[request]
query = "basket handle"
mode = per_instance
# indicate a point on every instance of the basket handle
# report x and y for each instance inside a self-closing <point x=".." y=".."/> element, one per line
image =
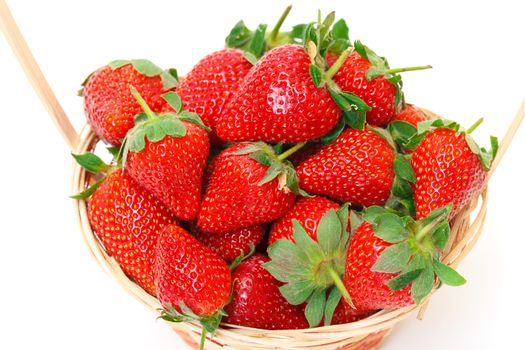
<point x="34" y="74"/>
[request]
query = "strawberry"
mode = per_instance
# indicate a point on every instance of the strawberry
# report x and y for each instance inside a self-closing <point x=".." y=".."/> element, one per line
<point x="411" y="114"/>
<point x="166" y="154"/>
<point x="308" y="212"/>
<point x="305" y="153"/>
<point x="393" y="261"/>
<point x="257" y="302"/>
<point x="249" y="186"/>
<point x="449" y="167"/>
<point x="126" y="219"/>
<point x="209" y="85"/>
<point x="311" y="266"/>
<point x="230" y="245"/>
<point x="344" y="313"/>
<point x="369" y="76"/>
<point x="193" y="283"/>
<point x="279" y="102"/>
<point x="356" y="167"/>
<point x="108" y="103"/>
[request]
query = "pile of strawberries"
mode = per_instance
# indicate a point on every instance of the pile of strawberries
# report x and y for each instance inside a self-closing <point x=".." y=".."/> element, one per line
<point x="283" y="183"/>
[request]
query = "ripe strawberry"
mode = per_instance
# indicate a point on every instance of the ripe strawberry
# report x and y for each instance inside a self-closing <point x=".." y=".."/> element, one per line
<point x="305" y="153"/>
<point x="108" y="103"/>
<point x="166" y="154"/>
<point x="392" y="261"/>
<point x="344" y="313"/>
<point x="209" y="85"/>
<point x="193" y="283"/>
<point x="308" y="212"/>
<point x="240" y="194"/>
<point x="368" y="76"/>
<point x="278" y="102"/>
<point x="257" y="302"/>
<point x="230" y="245"/>
<point x="187" y="271"/>
<point x="449" y="169"/>
<point x="411" y="114"/>
<point x="357" y="167"/>
<point x="126" y="219"/>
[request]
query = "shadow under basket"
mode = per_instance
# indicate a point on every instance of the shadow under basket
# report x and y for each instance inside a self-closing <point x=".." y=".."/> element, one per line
<point x="365" y="334"/>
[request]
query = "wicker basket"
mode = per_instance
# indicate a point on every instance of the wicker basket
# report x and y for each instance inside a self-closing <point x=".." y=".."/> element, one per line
<point x="364" y="334"/>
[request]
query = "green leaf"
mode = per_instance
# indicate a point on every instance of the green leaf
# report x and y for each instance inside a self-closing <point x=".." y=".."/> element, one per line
<point x="331" y="303"/>
<point x="239" y="36"/>
<point x="393" y="259"/>
<point x="329" y="232"/>
<point x="243" y="256"/>
<point x="404" y="279"/>
<point x="316" y="75"/>
<point x="384" y="134"/>
<point x="140" y="117"/>
<point x="494" y="145"/>
<point x="297" y="293"/>
<point x="168" y="80"/>
<point x="114" y="151"/>
<point x="423" y="284"/>
<point x="372" y="214"/>
<point x="340" y="30"/>
<point x="335" y="132"/>
<point x="401" y="131"/>
<point x="440" y="235"/>
<point x="315" y="308"/>
<point x="305" y="243"/>
<point x="416" y="263"/>
<point x="447" y="274"/>
<point x="287" y="260"/>
<point x="274" y="170"/>
<point x="89" y="191"/>
<point x="146" y="67"/>
<point x="390" y="228"/>
<point x="338" y="46"/>
<point x="192" y="118"/>
<point x="401" y="188"/>
<point x="258" y="42"/>
<point x="171" y="125"/>
<point x="173" y="100"/>
<point x="403" y="169"/>
<point x="354" y="119"/>
<point x="91" y="162"/>
<point x="173" y="72"/>
<point x="355" y="221"/>
<point x="250" y="57"/>
<point x="298" y="32"/>
<point x="292" y="181"/>
<point x="118" y="63"/>
<point x="261" y="157"/>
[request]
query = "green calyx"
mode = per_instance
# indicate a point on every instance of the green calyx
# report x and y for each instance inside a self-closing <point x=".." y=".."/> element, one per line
<point x="209" y="323"/>
<point x="278" y="167"/>
<point x="95" y="165"/>
<point x="155" y="127"/>
<point x="415" y="251"/>
<point x="312" y="270"/>
<point x="381" y="68"/>
<point x="145" y="67"/>
<point x="255" y="43"/>
<point x="408" y="136"/>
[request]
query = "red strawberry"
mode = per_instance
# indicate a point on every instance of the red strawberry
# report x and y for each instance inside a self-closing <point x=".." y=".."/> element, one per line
<point x="308" y="212"/>
<point x="357" y="167"/>
<point x="278" y="102"/>
<point x="393" y="261"/>
<point x="447" y="171"/>
<point x="369" y="77"/>
<point x="108" y="103"/>
<point x="127" y="220"/>
<point x="188" y="272"/>
<point x="232" y="244"/>
<point x="209" y="85"/>
<point x="305" y="153"/>
<point x="237" y="196"/>
<point x="412" y="115"/>
<point x="166" y="154"/>
<point x="344" y="313"/>
<point x="257" y="301"/>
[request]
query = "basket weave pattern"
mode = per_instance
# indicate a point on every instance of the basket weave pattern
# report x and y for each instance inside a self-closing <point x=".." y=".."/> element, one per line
<point x="364" y="334"/>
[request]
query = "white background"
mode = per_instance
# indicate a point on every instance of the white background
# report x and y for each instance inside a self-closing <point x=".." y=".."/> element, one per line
<point x="52" y="293"/>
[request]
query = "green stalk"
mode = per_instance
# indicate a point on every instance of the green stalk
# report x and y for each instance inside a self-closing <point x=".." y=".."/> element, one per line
<point x="341" y="286"/>
<point x="203" y="339"/>
<point x="337" y="65"/>
<point x="290" y="151"/>
<point x="142" y="103"/>
<point x="474" y="126"/>
<point x="407" y="69"/>
<point x="428" y="228"/>
<point x="275" y="31"/>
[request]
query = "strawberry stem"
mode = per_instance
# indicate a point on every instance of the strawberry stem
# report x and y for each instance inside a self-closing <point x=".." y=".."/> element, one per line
<point x="290" y="151"/>
<point x="341" y="286"/>
<point x="430" y="227"/>
<point x="474" y="126"/>
<point x="142" y="103"/>
<point x="407" y="69"/>
<point x="203" y="339"/>
<point x="275" y="31"/>
<point x="337" y="65"/>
